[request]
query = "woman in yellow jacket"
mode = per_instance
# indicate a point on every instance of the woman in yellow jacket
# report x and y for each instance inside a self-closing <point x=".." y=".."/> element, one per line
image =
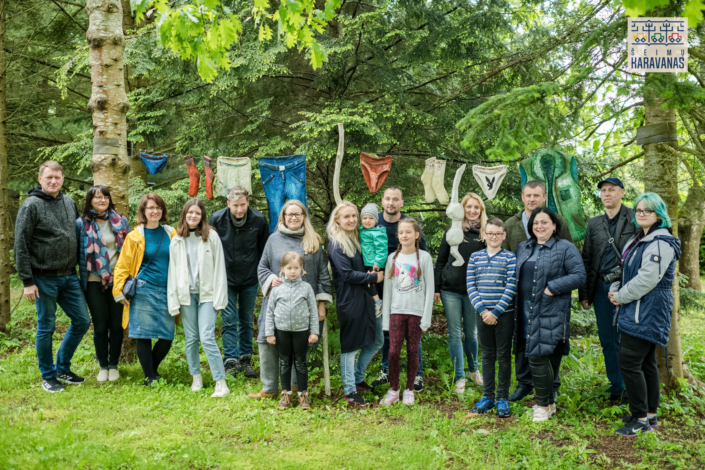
<point x="145" y="256"/>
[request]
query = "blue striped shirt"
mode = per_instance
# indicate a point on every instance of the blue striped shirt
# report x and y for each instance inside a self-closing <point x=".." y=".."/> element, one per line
<point x="492" y="281"/>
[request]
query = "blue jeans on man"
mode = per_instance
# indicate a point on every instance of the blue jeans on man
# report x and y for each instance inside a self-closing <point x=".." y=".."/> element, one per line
<point x="608" y="333"/>
<point x="237" y="322"/>
<point x="67" y="292"/>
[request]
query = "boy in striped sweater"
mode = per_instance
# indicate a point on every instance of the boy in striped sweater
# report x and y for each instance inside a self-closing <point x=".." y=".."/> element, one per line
<point x="492" y="284"/>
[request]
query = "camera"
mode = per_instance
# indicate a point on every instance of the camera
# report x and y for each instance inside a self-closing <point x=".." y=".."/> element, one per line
<point x="614" y="275"/>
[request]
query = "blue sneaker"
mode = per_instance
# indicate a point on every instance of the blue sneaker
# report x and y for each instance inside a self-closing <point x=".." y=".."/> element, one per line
<point x="483" y="406"/>
<point x="503" y="410"/>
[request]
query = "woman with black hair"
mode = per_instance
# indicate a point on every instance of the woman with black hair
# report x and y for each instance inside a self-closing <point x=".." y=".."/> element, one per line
<point x="101" y="232"/>
<point x="549" y="269"/>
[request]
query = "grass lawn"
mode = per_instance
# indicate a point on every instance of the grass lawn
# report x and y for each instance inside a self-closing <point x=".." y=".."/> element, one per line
<point x="125" y="425"/>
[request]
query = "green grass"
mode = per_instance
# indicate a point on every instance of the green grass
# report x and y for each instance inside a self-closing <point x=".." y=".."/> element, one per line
<point x="128" y="426"/>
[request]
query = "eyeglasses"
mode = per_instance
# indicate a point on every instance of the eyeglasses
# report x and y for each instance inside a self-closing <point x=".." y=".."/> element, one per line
<point x="494" y="235"/>
<point x="294" y="215"/>
<point x="645" y="212"/>
<point x="153" y="209"/>
<point x="101" y="198"/>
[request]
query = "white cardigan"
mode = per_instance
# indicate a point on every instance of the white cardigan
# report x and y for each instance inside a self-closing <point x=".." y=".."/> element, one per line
<point x="213" y="280"/>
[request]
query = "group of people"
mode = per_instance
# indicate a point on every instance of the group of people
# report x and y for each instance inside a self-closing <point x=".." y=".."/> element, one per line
<point x="512" y="291"/>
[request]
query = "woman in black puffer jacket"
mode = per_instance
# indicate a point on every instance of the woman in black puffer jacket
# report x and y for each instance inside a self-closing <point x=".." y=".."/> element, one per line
<point x="548" y="269"/>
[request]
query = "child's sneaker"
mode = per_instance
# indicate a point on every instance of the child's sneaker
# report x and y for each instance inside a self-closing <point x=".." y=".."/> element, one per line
<point x="477" y="377"/>
<point x="460" y="386"/>
<point x="304" y="400"/>
<point x="285" y="402"/>
<point x="418" y="384"/>
<point x="408" y="397"/>
<point x="633" y="428"/>
<point x="363" y="387"/>
<point x="391" y="398"/>
<point x="551" y="409"/>
<point x="483" y="406"/>
<point x="541" y="415"/>
<point x="354" y="398"/>
<point x="378" y="308"/>
<point x="503" y="410"/>
<point x="383" y="379"/>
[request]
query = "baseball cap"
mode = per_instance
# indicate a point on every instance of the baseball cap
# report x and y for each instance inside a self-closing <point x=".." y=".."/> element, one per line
<point x="612" y="180"/>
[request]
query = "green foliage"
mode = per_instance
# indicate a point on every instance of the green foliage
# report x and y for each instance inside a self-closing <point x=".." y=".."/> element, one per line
<point x="691" y="10"/>
<point x="205" y="30"/>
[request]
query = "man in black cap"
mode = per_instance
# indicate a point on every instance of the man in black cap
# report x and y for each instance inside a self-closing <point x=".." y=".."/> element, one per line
<point x="605" y="238"/>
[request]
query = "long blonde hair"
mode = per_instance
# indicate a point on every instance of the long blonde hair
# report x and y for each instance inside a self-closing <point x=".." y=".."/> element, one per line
<point x="417" y="228"/>
<point x="349" y="243"/>
<point x="483" y="214"/>
<point x="311" y="241"/>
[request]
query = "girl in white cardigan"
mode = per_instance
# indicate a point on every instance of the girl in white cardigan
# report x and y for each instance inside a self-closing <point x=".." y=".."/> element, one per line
<point x="197" y="288"/>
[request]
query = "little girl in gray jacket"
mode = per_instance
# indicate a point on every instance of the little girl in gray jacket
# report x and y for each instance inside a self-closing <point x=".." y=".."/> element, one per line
<point x="291" y="323"/>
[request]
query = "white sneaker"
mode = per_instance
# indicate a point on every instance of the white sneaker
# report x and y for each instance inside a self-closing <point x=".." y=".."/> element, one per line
<point x="113" y="375"/>
<point x="477" y="377"/>
<point x="460" y="386"/>
<point x="197" y="384"/>
<point x="541" y="415"/>
<point x="551" y="409"/>
<point x="102" y="375"/>
<point x="221" y="389"/>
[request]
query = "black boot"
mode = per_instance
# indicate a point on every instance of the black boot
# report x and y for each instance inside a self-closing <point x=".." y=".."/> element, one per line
<point x="520" y="393"/>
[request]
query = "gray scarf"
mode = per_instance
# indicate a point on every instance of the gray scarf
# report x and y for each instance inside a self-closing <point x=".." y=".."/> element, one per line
<point x="292" y="233"/>
<point x="238" y="222"/>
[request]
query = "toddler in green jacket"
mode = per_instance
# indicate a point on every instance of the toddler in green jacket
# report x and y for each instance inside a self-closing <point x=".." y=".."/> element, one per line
<point x="373" y="241"/>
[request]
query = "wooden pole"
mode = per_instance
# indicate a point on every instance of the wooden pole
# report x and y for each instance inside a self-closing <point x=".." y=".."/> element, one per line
<point x="326" y="365"/>
<point x="339" y="163"/>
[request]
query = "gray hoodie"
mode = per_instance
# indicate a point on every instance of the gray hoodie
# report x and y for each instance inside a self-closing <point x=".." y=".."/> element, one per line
<point x="292" y="307"/>
<point x="45" y="236"/>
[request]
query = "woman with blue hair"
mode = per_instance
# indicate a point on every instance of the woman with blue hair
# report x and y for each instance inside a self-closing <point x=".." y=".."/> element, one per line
<point x="645" y="303"/>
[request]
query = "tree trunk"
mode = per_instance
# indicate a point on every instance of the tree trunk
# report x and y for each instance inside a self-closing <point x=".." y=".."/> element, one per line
<point x="691" y="222"/>
<point x="661" y="177"/>
<point x="4" y="194"/>
<point x="108" y="103"/>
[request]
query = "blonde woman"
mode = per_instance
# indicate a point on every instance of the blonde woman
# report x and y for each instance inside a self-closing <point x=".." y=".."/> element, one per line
<point x="451" y="289"/>
<point x="360" y="330"/>
<point x="294" y="233"/>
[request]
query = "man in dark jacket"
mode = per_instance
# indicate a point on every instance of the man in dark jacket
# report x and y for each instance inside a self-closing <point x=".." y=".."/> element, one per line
<point x="46" y="253"/>
<point x="604" y="240"/>
<point x="534" y="196"/>
<point x="243" y="232"/>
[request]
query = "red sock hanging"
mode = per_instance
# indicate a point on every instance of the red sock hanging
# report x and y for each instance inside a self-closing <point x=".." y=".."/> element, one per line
<point x="194" y="177"/>
<point x="209" y="176"/>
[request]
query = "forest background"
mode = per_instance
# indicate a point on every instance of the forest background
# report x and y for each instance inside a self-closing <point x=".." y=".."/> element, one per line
<point x="484" y="82"/>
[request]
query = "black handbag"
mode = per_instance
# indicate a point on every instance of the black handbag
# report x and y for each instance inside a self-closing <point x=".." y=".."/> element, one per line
<point x="129" y="289"/>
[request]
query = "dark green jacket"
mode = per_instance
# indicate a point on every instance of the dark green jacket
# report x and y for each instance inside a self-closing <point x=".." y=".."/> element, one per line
<point x="516" y="233"/>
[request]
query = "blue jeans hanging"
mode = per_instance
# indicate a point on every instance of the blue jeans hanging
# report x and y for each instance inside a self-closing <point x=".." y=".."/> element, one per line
<point x="154" y="163"/>
<point x="282" y="178"/>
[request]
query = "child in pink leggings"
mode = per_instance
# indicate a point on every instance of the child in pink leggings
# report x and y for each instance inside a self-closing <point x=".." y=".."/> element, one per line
<point x="407" y="307"/>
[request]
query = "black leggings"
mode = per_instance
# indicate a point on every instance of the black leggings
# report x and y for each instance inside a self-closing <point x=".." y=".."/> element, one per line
<point x="544" y="369"/>
<point x="107" y="324"/>
<point x="637" y="361"/>
<point x="293" y="343"/>
<point x="151" y="358"/>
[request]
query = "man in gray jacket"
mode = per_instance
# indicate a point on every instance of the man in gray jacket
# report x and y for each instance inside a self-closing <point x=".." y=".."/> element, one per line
<point x="604" y="240"/>
<point x="46" y="251"/>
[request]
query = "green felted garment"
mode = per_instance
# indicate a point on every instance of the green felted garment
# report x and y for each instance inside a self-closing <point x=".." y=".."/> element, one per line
<point x="559" y="172"/>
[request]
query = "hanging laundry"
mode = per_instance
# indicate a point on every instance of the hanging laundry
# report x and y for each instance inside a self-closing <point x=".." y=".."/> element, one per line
<point x="439" y="174"/>
<point x="427" y="180"/>
<point x="375" y="170"/>
<point x="559" y="172"/>
<point x="489" y="178"/>
<point x="194" y="177"/>
<point x="283" y="178"/>
<point x="233" y="171"/>
<point x="209" y="176"/>
<point x="154" y="163"/>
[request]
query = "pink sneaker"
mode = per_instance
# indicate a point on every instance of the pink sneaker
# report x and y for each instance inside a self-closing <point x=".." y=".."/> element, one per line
<point x="408" y="397"/>
<point x="477" y="377"/>
<point x="391" y="398"/>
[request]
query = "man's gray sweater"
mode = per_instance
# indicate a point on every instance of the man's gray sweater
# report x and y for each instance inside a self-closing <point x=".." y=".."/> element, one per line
<point x="45" y="236"/>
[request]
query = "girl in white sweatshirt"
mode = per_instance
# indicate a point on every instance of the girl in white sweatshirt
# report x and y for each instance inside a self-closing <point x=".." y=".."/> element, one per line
<point x="197" y="287"/>
<point x="407" y="306"/>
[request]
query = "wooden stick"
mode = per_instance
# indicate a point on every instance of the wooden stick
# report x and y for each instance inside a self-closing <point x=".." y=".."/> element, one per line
<point x="339" y="163"/>
<point x="326" y="365"/>
<point x="628" y="160"/>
